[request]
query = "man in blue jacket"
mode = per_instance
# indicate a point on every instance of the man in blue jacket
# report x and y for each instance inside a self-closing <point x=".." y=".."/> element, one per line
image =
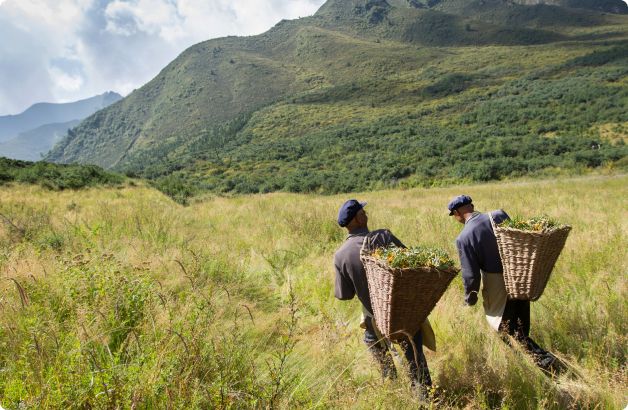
<point x="481" y="263"/>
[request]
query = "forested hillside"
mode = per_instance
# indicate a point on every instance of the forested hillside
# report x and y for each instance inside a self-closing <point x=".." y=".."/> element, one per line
<point x="374" y="93"/>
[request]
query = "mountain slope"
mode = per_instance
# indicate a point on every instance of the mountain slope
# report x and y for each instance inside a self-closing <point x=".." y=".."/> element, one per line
<point x="372" y="92"/>
<point x="607" y="6"/>
<point x="209" y="83"/>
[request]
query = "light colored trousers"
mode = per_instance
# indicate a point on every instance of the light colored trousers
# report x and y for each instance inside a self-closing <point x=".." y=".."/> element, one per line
<point x="494" y="298"/>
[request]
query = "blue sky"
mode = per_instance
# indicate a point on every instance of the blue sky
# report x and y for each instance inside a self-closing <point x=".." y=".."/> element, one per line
<point x="65" y="50"/>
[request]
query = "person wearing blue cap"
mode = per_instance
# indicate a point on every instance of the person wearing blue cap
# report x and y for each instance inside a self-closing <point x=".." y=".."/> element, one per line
<point x="351" y="281"/>
<point x="481" y="263"/>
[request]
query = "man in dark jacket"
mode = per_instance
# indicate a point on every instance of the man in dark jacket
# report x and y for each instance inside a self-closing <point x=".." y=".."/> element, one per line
<point x="351" y="280"/>
<point x="480" y="261"/>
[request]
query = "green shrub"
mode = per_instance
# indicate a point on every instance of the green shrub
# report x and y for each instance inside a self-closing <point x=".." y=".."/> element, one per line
<point x="56" y="176"/>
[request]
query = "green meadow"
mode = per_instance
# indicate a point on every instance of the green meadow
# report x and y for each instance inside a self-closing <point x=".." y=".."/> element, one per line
<point x="120" y="298"/>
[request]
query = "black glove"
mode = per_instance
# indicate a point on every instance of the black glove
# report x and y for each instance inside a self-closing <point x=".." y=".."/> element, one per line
<point x="471" y="298"/>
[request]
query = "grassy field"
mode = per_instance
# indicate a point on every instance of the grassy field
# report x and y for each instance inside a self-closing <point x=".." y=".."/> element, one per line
<point x="120" y="298"/>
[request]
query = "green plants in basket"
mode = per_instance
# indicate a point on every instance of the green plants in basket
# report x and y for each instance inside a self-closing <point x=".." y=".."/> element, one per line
<point x="536" y="223"/>
<point x="414" y="257"/>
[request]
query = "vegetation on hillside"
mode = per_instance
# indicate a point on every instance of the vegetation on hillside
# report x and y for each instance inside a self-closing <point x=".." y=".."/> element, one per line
<point x="370" y="94"/>
<point x="120" y="298"/>
<point x="465" y="128"/>
<point x="55" y="176"/>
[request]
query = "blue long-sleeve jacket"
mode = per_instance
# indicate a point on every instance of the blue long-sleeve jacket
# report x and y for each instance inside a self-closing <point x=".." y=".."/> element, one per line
<point x="477" y="249"/>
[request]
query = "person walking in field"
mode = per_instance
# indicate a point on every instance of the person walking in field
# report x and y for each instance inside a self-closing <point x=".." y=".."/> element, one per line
<point x="351" y="281"/>
<point x="480" y="262"/>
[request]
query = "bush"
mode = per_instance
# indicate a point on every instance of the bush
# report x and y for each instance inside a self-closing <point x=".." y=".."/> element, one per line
<point x="177" y="187"/>
<point x="56" y="176"/>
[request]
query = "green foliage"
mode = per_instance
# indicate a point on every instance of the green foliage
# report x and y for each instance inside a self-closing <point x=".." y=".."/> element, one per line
<point x="449" y="84"/>
<point x="176" y="187"/>
<point x="55" y="176"/>
<point x="536" y="223"/>
<point x="601" y="57"/>
<point x="415" y="257"/>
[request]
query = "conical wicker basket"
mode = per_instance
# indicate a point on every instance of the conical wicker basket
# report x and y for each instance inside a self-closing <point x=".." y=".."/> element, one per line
<point x="403" y="298"/>
<point x="528" y="258"/>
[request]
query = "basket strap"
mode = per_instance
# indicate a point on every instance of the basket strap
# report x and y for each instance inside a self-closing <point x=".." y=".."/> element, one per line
<point x="490" y="216"/>
<point x="367" y="244"/>
<point x="363" y="249"/>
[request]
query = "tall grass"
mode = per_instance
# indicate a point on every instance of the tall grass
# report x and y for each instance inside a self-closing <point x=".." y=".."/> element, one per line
<point x="120" y="298"/>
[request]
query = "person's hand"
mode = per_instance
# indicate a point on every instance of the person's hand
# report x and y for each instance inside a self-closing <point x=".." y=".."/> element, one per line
<point x="471" y="298"/>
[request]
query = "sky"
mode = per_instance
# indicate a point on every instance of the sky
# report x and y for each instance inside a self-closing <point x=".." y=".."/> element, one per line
<point x="67" y="50"/>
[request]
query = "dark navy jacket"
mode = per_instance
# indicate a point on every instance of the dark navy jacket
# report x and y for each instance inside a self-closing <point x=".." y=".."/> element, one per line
<point x="477" y="248"/>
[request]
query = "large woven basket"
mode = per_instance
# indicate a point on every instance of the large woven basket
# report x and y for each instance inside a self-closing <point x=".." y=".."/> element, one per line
<point x="528" y="258"/>
<point x="403" y="298"/>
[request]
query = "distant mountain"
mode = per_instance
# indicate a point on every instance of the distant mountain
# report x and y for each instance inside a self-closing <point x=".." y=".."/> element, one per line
<point x="33" y="144"/>
<point x="366" y="93"/>
<point x="50" y="113"/>
<point x="29" y="135"/>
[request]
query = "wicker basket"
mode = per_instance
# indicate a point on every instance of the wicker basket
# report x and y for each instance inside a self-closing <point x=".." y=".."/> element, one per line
<point x="403" y="298"/>
<point x="528" y="258"/>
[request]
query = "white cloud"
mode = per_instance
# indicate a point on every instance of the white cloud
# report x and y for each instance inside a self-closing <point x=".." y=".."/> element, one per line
<point x="65" y="50"/>
<point x="197" y="20"/>
<point x="153" y="17"/>
<point x="65" y="82"/>
<point x="46" y="14"/>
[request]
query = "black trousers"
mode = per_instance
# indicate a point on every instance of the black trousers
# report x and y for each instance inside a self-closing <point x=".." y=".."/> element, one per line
<point x="417" y="366"/>
<point x="516" y="323"/>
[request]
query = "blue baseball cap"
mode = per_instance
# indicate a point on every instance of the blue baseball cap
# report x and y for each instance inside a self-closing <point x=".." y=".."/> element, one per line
<point x="348" y="210"/>
<point x="457" y="202"/>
